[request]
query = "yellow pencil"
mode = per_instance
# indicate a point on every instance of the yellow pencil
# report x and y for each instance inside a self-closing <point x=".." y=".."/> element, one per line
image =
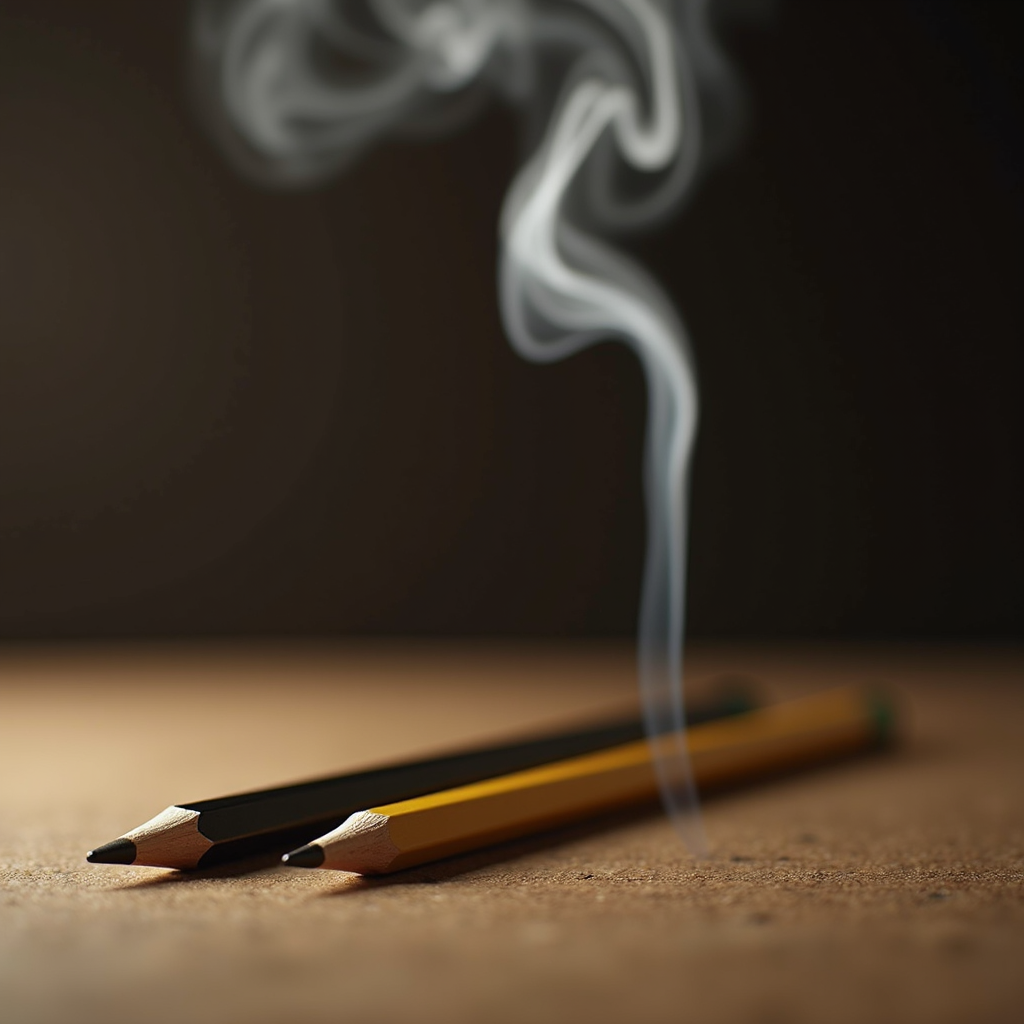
<point x="400" y="835"/>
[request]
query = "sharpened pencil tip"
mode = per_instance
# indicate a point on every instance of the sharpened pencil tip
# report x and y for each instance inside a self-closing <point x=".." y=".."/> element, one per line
<point x="120" y="851"/>
<point x="311" y="856"/>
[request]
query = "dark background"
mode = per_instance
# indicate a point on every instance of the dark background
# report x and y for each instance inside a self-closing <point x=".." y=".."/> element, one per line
<point x="228" y="411"/>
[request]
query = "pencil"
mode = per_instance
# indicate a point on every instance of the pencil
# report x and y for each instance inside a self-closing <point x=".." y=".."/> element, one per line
<point x="207" y="832"/>
<point x="410" y="832"/>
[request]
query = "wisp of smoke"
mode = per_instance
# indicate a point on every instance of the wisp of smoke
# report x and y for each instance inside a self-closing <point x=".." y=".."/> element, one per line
<point x="642" y="98"/>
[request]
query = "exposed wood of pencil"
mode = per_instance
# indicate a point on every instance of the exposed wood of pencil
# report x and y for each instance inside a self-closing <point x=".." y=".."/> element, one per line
<point x="403" y="834"/>
<point x="214" y="831"/>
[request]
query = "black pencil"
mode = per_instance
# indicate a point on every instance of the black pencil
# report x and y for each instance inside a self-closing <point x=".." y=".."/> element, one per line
<point x="208" y="832"/>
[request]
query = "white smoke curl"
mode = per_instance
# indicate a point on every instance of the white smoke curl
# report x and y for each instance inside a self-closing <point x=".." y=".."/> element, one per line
<point x="302" y="87"/>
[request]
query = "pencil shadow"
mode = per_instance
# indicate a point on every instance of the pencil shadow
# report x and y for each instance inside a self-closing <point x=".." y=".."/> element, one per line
<point x="463" y="864"/>
<point x="236" y="869"/>
<point x="852" y="762"/>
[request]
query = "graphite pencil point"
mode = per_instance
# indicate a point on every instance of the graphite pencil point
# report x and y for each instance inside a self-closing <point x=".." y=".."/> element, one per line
<point x="120" y="851"/>
<point x="311" y="856"/>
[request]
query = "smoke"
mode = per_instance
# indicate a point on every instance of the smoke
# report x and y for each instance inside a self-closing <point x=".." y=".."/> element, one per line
<point x="630" y="100"/>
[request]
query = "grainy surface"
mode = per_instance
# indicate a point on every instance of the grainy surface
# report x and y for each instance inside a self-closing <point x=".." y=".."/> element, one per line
<point x="884" y="889"/>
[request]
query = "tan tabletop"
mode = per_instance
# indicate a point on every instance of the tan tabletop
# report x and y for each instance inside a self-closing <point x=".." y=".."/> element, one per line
<point x="889" y="888"/>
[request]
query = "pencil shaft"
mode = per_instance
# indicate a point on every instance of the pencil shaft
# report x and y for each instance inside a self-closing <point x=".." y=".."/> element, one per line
<point x="209" y="832"/>
<point x="405" y="833"/>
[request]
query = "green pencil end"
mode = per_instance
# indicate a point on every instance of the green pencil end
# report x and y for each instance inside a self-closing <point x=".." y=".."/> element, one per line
<point x="883" y="714"/>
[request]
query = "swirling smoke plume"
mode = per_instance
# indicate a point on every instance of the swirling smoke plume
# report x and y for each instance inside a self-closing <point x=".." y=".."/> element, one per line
<point x="634" y="101"/>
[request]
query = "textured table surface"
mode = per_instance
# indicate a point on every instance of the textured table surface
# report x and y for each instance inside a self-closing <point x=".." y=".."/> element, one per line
<point x="886" y="888"/>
